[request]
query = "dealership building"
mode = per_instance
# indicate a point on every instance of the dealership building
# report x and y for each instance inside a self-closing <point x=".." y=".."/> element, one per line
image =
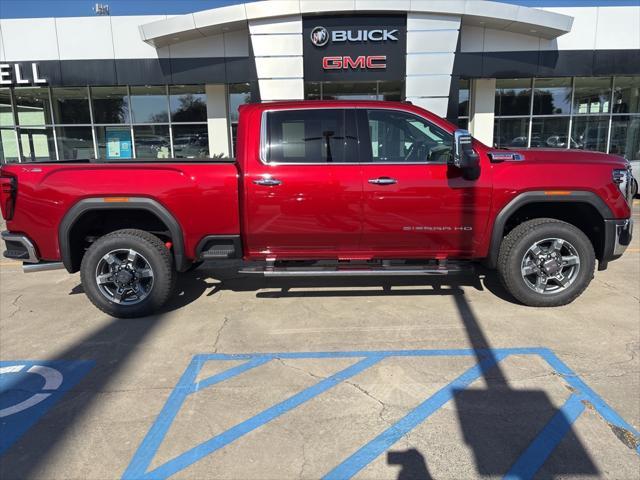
<point x="124" y="87"/>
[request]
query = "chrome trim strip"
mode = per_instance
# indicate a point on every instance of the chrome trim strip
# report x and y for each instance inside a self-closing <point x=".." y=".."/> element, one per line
<point x="263" y="136"/>
<point x="624" y="233"/>
<point x="42" y="267"/>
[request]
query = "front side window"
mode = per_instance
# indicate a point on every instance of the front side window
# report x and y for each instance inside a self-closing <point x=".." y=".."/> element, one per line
<point x="399" y="137"/>
<point x="311" y="136"/>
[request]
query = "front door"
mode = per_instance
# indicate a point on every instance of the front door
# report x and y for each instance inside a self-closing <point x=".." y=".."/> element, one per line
<point x="415" y="205"/>
<point x="304" y="197"/>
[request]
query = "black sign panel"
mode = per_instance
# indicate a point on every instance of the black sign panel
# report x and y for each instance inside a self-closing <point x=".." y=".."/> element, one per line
<point x="363" y="47"/>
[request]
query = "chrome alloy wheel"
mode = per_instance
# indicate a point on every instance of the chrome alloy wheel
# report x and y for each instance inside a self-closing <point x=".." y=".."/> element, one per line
<point x="550" y="266"/>
<point x="124" y="276"/>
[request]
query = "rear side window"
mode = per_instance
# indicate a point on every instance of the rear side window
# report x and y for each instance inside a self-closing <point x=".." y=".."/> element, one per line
<point x="311" y="136"/>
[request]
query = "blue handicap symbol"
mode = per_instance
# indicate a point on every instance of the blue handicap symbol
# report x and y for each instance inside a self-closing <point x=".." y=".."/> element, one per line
<point x="29" y="388"/>
<point x="525" y="467"/>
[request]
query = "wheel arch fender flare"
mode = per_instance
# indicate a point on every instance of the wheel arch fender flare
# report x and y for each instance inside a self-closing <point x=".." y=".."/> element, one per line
<point x="580" y="196"/>
<point x="134" y="203"/>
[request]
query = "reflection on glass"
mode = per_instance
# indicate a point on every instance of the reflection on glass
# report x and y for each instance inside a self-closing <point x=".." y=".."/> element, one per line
<point x="463" y="123"/>
<point x="149" y="104"/>
<point x="312" y="91"/>
<point x="625" y="136"/>
<point x="513" y="96"/>
<point x="551" y="133"/>
<point x="75" y="143"/>
<point x="590" y="132"/>
<point x="8" y="146"/>
<point x="71" y="105"/>
<point x="511" y="132"/>
<point x="239" y="94"/>
<point x="110" y="104"/>
<point x="6" y="116"/>
<point x="463" y="98"/>
<point x="191" y="141"/>
<point x="626" y="95"/>
<point x="37" y="143"/>
<point x="188" y="103"/>
<point x="152" y="141"/>
<point x="592" y="95"/>
<point x="390" y="91"/>
<point x="32" y="105"/>
<point x="349" y="91"/>
<point x="552" y="96"/>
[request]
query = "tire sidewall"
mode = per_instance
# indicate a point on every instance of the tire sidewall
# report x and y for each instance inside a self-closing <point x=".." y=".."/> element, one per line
<point x="565" y="232"/>
<point x="161" y="281"/>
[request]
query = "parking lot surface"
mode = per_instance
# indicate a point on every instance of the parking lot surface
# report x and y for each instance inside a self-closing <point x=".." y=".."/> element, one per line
<point x="255" y="379"/>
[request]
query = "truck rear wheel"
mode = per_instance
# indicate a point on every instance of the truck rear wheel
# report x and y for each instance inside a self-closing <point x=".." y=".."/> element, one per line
<point x="546" y="262"/>
<point x="127" y="273"/>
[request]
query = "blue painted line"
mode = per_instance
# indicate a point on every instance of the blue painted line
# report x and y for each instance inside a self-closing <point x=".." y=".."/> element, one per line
<point x="375" y="353"/>
<point x="608" y="413"/>
<point x="193" y="455"/>
<point x="227" y="374"/>
<point x="369" y="452"/>
<point x="186" y="385"/>
<point x="547" y="440"/>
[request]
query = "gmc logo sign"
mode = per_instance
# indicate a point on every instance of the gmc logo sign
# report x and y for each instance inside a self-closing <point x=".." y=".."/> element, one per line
<point x="363" y="62"/>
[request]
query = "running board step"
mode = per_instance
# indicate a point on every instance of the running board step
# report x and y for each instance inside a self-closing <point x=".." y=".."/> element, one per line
<point x="220" y="251"/>
<point x="394" y="271"/>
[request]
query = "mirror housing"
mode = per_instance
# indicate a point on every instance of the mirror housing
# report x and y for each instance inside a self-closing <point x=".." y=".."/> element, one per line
<point x="464" y="156"/>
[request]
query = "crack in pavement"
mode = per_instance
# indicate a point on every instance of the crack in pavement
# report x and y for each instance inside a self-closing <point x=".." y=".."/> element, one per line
<point x="219" y="333"/>
<point x="14" y="303"/>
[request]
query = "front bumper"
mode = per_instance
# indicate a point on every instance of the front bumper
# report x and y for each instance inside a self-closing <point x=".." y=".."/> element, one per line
<point x="617" y="237"/>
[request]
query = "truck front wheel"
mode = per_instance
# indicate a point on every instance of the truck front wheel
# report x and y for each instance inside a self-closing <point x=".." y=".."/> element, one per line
<point x="546" y="262"/>
<point x="127" y="273"/>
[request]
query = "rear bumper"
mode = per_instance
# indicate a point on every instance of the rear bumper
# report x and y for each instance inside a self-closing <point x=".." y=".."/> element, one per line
<point x="617" y="237"/>
<point x="19" y="247"/>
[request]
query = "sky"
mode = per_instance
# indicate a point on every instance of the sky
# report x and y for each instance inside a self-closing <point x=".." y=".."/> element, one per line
<point x="73" y="8"/>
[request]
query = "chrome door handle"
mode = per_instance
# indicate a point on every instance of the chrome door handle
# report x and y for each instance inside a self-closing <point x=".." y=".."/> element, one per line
<point x="268" y="182"/>
<point x="383" y="181"/>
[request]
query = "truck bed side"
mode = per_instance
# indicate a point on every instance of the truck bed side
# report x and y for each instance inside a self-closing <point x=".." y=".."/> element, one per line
<point x="202" y="197"/>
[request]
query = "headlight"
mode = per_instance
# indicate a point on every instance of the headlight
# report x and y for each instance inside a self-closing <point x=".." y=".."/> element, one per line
<point x="623" y="178"/>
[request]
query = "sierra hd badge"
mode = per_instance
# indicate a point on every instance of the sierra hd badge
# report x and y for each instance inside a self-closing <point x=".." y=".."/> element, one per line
<point x="319" y="36"/>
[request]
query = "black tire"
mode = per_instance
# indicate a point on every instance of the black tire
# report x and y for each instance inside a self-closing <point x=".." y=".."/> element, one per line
<point x="154" y="252"/>
<point x="516" y="244"/>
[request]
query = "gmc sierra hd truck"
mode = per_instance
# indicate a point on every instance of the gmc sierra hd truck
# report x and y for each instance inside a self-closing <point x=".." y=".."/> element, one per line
<point x="325" y="188"/>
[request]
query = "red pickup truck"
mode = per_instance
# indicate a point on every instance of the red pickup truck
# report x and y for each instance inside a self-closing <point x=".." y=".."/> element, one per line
<point x="325" y="188"/>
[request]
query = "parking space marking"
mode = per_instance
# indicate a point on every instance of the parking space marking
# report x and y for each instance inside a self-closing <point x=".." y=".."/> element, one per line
<point x="525" y="467"/>
<point x="29" y="388"/>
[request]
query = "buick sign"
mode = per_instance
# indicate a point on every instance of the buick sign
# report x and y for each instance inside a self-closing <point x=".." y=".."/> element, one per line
<point x="361" y="47"/>
<point x="319" y="36"/>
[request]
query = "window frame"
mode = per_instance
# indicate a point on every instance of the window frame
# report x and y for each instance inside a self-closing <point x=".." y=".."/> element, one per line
<point x="363" y="134"/>
<point x="264" y="134"/>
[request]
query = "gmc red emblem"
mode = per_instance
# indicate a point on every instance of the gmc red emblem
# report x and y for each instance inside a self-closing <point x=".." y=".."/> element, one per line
<point x="363" y="62"/>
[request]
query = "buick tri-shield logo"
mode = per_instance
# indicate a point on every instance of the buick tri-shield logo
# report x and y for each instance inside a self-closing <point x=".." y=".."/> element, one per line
<point x="319" y="36"/>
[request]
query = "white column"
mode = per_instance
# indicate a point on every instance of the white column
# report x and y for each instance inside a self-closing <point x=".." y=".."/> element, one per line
<point x="277" y="48"/>
<point x="431" y="46"/>
<point x="217" y="120"/>
<point x="481" y="113"/>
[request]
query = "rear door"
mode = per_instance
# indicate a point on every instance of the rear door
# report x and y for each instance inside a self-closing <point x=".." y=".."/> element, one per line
<point x="415" y="205"/>
<point x="304" y="195"/>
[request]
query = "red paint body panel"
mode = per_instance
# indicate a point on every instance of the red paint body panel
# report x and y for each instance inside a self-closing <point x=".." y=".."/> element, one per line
<point x="203" y="198"/>
<point x="319" y="211"/>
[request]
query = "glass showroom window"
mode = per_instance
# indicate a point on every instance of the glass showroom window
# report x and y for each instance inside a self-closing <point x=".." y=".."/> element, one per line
<point x="464" y="98"/>
<point x="239" y="94"/>
<point x="35" y="137"/>
<point x="591" y="113"/>
<point x="188" y="108"/>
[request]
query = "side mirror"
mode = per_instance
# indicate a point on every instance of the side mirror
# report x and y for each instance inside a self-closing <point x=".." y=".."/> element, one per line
<point x="464" y="156"/>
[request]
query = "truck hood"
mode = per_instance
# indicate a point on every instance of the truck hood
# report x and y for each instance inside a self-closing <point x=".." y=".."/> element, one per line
<point x="550" y="155"/>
